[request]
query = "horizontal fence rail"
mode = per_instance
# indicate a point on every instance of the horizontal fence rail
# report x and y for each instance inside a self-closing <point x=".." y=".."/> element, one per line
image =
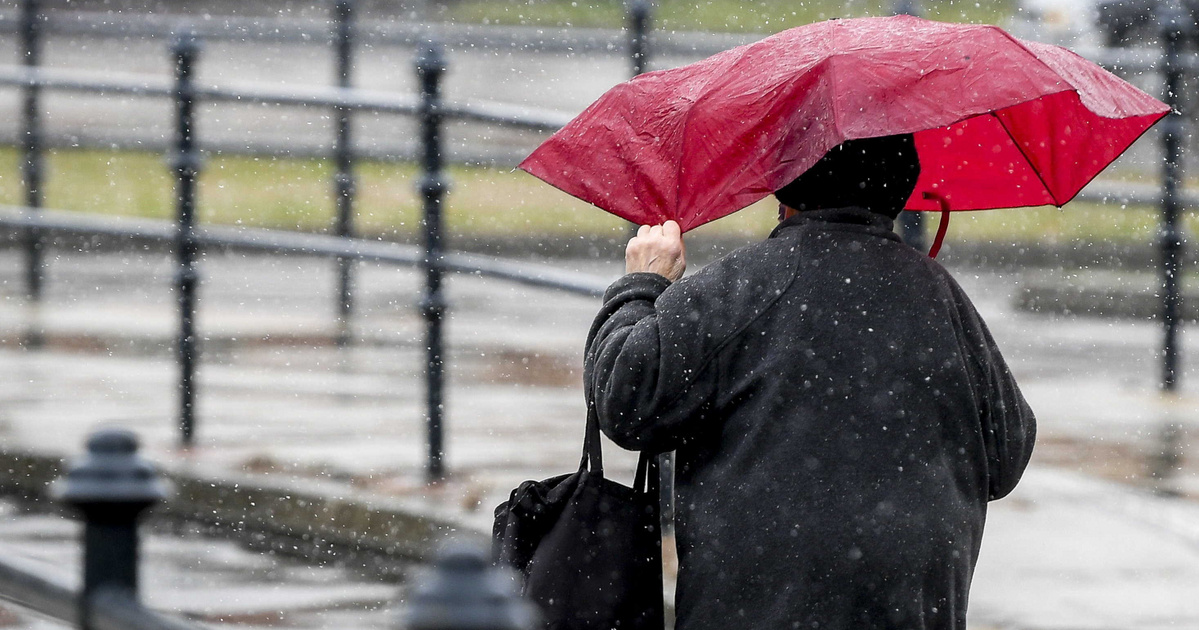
<point x="533" y="39"/>
<point x="287" y="242"/>
<point x="29" y="584"/>
<point x="498" y="157"/>
<point x="32" y="585"/>
<point x="358" y="99"/>
<point x="404" y="104"/>
<point x="458" y="36"/>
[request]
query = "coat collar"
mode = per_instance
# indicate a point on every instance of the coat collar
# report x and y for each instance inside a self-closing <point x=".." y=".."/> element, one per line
<point x="852" y="218"/>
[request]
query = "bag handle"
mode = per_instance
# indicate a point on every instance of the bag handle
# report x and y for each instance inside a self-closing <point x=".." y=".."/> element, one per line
<point x="593" y="455"/>
<point x="646" y="479"/>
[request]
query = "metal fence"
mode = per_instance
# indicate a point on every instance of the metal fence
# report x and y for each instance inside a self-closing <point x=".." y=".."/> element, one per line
<point x="431" y="110"/>
<point x="109" y="595"/>
<point x="392" y="32"/>
<point x="111" y="487"/>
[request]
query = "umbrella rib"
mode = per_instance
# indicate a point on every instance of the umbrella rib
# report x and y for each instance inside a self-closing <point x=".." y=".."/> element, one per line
<point x="1027" y="160"/>
<point x="1021" y="46"/>
<point x="832" y="76"/>
<point x="742" y="53"/>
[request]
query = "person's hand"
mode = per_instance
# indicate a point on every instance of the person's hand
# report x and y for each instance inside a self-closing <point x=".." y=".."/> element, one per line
<point x="657" y="249"/>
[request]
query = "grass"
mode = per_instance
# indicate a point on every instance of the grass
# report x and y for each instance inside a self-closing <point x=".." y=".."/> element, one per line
<point x="756" y="16"/>
<point x="296" y="194"/>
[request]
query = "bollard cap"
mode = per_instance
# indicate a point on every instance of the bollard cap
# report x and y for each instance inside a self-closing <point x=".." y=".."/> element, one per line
<point x="111" y="473"/>
<point x="185" y="42"/>
<point x="430" y="57"/>
<point x="464" y="592"/>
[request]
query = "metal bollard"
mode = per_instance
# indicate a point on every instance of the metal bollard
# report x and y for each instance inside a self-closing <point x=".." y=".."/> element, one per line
<point x="464" y="592"/>
<point x="430" y="67"/>
<point x="32" y="165"/>
<point x="1176" y="27"/>
<point x="343" y="180"/>
<point x="111" y="487"/>
<point x="186" y="164"/>
<point x="1165" y="460"/>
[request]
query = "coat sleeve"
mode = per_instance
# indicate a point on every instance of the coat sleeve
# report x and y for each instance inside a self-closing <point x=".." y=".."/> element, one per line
<point x="646" y="366"/>
<point x="1008" y="425"/>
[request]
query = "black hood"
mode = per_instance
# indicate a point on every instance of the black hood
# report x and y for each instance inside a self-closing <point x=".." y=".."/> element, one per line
<point x="874" y="173"/>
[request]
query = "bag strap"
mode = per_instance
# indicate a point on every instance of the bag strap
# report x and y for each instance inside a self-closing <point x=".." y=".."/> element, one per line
<point x="593" y="455"/>
<point x="647" y="478"/>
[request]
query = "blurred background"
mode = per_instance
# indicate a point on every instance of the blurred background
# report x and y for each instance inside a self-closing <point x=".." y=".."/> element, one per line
<point x="247" y="294"/>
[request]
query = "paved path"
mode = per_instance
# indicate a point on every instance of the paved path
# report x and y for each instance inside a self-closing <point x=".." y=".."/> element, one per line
<point x="208" y="580"/>
<point x="1071" y="549"/>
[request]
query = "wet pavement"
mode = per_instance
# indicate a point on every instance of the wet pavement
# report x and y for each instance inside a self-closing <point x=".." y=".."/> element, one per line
<point x="1083" y="543"/>
<point x="208" y="580"/>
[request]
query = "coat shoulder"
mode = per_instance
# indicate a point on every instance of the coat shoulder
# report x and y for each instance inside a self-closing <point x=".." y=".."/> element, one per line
<point x="722" y="299"/>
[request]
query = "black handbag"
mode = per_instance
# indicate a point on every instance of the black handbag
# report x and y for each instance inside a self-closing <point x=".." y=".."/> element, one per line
<point x="588" y="549"/>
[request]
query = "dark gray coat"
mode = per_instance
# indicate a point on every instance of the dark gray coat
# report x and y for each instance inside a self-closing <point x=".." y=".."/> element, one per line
<point x="841" y="416"/>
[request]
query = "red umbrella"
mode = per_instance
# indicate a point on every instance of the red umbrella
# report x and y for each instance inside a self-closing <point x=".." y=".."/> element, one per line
<point x="999" y="122"/>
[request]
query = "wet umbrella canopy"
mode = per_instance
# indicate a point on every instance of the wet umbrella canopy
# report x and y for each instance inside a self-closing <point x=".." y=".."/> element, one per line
<point x="998" y="122"/>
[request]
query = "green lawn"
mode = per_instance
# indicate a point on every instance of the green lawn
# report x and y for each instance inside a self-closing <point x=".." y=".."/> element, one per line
<point x="764" y="16"/>
<point x="296" y="195"/>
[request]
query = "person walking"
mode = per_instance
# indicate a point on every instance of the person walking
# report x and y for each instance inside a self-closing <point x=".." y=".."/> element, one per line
<point x="840" y="412"/>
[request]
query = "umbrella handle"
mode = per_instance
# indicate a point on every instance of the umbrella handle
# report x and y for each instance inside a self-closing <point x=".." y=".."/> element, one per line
<point x="944" y="225"/>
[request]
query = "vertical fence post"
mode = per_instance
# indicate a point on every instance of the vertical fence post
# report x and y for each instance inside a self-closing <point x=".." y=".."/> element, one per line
<point x="343" y="155"/>
<point x="639" y="16"/>
<point x="31" y="165"/>
<point x="186" y="164"/>
<point x="430" y="67"/>
<point x="911" y="224"/>
<point x="638" y="30"/>
<point x="111" y="486"/>
<point x="906" y="7"/>
<point x="639" y="26"/>
<point x="1175" y="25"/>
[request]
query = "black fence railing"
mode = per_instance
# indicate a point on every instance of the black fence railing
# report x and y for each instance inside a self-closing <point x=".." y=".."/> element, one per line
<point x="111" y="487"/>
<point x="109" y="594"/>
<point x="374" y="33"/>
<point x="343" y="158"/>
<point x="432" y="111"/>
<point x="1176" y="29"/>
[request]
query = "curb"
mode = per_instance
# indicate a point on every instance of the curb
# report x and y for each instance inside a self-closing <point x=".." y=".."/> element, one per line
<point x="1135" y="296"/>
<point x="322" y="522"/>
